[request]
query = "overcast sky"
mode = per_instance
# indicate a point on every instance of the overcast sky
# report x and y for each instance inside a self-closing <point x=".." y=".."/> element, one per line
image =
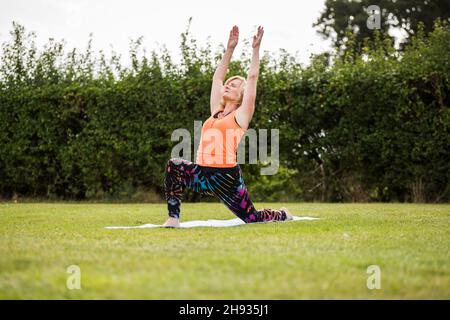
<point x="287" y="23"/>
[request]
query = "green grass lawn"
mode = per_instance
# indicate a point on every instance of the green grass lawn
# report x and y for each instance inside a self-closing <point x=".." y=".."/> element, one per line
<point x="320" y="259"/>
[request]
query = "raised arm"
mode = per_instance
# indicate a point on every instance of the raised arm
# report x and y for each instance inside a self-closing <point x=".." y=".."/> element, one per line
<point x="244" y="113"/>
<point x="221" y="71"/>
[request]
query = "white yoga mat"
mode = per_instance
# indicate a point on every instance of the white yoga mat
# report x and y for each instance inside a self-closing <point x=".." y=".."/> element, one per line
<point x="206" y="223"/>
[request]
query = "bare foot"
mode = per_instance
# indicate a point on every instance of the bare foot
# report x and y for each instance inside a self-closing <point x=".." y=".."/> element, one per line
<point x="172" y="223"/>
<point x="288" y="214"/>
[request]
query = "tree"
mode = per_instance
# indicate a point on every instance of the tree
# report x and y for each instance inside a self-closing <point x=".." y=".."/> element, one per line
<point x="341" y="16"/>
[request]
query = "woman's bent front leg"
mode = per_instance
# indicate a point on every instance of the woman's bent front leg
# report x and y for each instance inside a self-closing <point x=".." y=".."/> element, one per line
<point x="180" y="174"/>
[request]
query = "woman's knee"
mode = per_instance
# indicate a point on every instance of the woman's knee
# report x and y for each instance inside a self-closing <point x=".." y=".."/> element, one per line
<point x="173" y="162"/>
<point x="176" y="161"/>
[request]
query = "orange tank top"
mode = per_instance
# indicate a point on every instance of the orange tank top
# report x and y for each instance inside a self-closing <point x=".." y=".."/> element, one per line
<point x="219" y="141"/>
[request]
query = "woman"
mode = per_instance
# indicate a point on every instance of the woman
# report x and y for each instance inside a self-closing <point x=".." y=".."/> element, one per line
<point x="215" y="171"/>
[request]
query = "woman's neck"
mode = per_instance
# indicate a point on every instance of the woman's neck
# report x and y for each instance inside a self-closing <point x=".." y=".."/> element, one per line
<point x="230" y="106"/>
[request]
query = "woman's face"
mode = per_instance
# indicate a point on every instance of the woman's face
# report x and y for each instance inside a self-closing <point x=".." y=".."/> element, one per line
<point x="231" y="90"/>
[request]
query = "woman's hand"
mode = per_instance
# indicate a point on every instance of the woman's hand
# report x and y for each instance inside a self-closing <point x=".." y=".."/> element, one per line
<point x="234" y="37"/>
<point x="257" y="38"/>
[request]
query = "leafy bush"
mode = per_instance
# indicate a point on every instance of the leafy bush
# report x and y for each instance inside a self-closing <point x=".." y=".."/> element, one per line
<point x="354" y="126"/>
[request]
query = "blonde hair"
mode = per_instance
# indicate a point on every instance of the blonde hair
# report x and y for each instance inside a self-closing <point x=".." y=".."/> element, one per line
<point x="241" y="93"/>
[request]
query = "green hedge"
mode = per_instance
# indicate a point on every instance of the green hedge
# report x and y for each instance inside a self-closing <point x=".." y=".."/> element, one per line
<point x="373" y="126"/>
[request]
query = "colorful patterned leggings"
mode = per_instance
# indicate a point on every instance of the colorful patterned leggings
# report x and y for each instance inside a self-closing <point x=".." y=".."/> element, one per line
<point x="227" y="184"/>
